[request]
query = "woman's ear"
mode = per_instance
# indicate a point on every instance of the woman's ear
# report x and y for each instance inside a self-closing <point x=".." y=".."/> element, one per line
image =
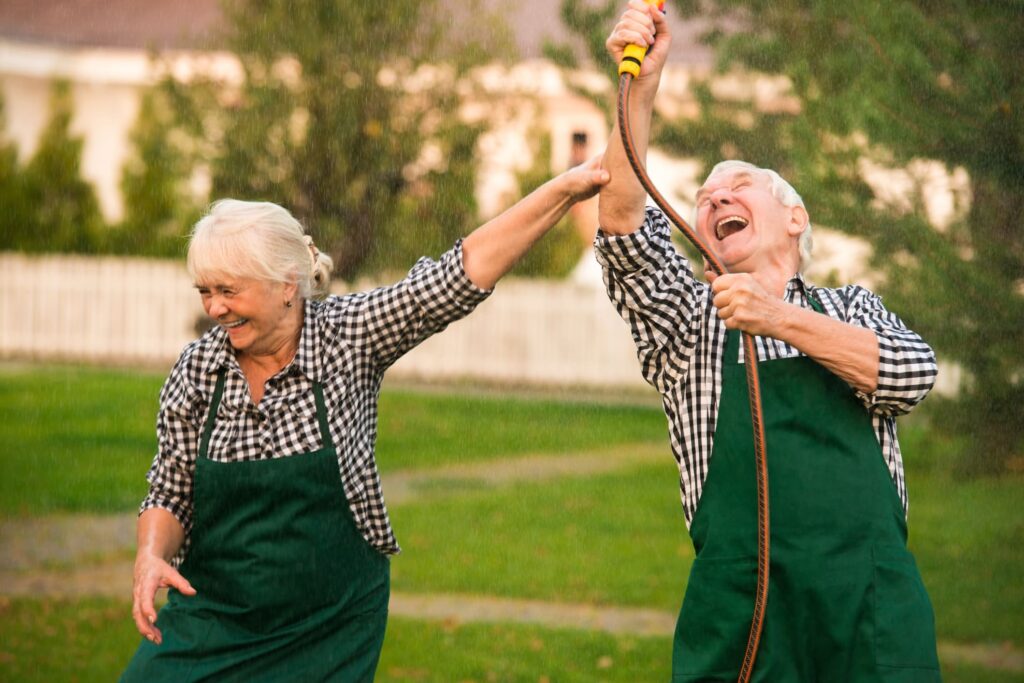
<point x="291" y="289"/>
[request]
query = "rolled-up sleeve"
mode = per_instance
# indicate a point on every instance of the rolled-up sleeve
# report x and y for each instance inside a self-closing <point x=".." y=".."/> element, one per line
<point x="178" y="424"/>
<point x="653" y="288"/>
<point x="906" y="364"/>
<point x="390" y="321"/>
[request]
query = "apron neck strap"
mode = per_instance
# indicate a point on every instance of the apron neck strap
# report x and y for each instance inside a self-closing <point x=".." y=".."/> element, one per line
<point x="321" y="416"/>
<point x="211" y="417"/>
<point x="732" y="337"/>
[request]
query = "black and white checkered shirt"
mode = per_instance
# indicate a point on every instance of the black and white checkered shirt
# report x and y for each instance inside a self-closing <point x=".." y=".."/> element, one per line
<point x="346" y="344"/>
<point x="680" y="341"/>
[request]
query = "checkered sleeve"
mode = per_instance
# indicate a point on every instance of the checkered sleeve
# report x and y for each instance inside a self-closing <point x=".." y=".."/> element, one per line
<point x="390" y="321"/>
<point x="906" y="364"/>
<point x="653" y="288"/>
<point x="178" y="426"/>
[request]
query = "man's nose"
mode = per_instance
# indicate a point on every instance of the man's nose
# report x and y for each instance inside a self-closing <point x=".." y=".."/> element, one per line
<point x="720" y="198"/>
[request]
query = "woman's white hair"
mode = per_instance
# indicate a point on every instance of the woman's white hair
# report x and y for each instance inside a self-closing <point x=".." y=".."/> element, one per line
<point x="782" y="191"/>
<point x="257" y="240"/>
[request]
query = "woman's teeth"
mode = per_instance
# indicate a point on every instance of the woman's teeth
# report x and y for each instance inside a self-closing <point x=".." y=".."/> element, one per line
<point x="236" y="323"/>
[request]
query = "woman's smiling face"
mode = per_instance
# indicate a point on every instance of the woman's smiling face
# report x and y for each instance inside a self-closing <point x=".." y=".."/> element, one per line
<point x="251" y="311"/>
<point x="742" y="221"/>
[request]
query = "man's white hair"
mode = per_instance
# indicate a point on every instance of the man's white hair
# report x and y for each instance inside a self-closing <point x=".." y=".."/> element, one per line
<point x="781" y="190"/>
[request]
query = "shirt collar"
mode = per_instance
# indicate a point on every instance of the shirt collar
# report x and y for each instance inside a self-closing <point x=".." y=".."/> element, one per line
<point x="217" y="352"/>
<point x="796" y="285"/>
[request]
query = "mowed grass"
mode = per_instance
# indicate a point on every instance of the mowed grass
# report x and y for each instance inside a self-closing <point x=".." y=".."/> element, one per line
<point x="78" y="439"/>
<point x="95" y="639"/>
<point x="620" y="539"/>
<point x="615" y="539"/>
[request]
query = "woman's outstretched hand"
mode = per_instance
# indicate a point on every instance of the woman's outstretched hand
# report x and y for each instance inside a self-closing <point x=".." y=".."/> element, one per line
<point x="584" y="181"/>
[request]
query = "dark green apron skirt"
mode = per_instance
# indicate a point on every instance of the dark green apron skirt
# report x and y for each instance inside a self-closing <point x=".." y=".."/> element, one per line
<point x="845" y="602"/>
<point x="287" y="588"/>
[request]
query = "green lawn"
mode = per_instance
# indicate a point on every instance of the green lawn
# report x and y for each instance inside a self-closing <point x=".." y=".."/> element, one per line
<point x="80" y="440"/>
<point x="95" y="639"/>
<point x="627" y="531"/>
<point x="615" y="539"/>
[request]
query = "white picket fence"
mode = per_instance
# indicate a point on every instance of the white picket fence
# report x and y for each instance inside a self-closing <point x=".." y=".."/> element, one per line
<point x="130" y="311"/>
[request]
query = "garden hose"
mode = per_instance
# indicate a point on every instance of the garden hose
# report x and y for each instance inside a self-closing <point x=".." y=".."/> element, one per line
<point x="629" y="68"/>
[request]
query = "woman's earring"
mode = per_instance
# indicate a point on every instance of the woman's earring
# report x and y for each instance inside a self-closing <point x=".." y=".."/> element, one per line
<point x="288" y="304"/>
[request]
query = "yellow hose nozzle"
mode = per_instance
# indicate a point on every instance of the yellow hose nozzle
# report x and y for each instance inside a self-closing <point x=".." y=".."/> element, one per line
<point x="633" y="55"/>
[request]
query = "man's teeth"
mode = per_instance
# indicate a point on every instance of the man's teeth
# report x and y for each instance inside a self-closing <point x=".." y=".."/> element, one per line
<point x="236" y="323"/>
<point x="729" y="225"/>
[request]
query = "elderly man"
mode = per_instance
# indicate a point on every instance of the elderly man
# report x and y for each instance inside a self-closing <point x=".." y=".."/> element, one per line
<point x="846" y="602"/>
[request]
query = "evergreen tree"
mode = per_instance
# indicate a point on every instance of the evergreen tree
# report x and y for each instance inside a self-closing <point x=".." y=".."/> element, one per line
<point x="14" y="218"/>
<point x="65" y="214"/>
<point x="560" y="250"/>
<point x="158" y="207"/>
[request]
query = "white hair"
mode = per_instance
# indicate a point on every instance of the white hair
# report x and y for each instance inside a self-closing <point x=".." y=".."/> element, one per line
<point x="781" y="190"/>
<point x="257" y="240"/>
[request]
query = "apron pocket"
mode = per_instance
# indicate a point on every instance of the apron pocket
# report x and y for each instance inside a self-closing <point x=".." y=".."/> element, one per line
<point x="714" y="622"/>
<point x="904" y="621"/>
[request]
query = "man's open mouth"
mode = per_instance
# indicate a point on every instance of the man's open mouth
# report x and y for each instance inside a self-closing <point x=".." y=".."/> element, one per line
<point x="729" y="226"/>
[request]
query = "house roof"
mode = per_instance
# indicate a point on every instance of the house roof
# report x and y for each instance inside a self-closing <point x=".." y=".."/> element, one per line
<point x="156" y="24"/>
<point x="165" y="24"/>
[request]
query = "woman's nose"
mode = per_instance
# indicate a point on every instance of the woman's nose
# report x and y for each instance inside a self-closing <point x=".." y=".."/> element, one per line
<point x="215" y="307"/>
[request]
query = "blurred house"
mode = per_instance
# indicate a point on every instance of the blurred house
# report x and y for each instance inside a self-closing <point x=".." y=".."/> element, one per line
<point x="105" y="50"/>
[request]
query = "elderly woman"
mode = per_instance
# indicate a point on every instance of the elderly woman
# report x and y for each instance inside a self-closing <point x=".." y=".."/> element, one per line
<point x="265" y="515"/>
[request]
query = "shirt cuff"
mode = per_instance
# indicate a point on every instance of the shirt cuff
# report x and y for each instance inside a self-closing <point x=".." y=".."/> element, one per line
<point x="180" y="513"/>
<point x="640" y="250"/>
<point x="460" y="290"/>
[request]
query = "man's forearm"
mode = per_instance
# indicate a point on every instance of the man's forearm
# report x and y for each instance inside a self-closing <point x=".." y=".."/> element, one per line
<point x="622" y="200"/>
<point x="848" y="351"/>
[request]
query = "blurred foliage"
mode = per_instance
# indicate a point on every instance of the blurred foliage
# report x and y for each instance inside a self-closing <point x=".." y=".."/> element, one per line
<point x="51" y="207"/>
<point x="560" y="250"/>
<point x="159" y="206"/>
<point x="351" y="115"/>
<point x="340" y="105"/>
<point x="887" y="86"/>
<point x="13" y="195"/>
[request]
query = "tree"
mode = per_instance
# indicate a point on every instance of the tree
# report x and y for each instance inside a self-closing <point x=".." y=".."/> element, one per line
<point x="158" y="206"/>
<point x="338" y="102"/>
<point x="14" y="218"/>
<point x="560" y="250"/>
<point x="65" y="214"/>
<point x="890" y="84"/>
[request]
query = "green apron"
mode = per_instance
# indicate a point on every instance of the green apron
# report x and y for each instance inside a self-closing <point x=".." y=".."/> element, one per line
<point x="286" y="586"/>
<point x="845" y="601"/>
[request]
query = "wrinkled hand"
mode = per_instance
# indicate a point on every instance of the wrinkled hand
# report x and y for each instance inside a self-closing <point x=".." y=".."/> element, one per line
<point x="743" y="304"/>
<point x="640" y="25"/>
<point x="584" y="181"/>
<point x="151" y="574"/>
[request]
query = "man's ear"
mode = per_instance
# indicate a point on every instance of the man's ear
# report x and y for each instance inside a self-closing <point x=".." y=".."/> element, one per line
<point x="798" y="220"/>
